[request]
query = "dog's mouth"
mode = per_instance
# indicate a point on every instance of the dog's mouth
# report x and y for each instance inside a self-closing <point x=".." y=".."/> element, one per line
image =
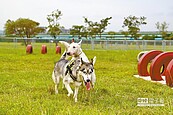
<point x="68" y="53"/>
<point x="71" y="54"/>
<point x="88" y="86"/>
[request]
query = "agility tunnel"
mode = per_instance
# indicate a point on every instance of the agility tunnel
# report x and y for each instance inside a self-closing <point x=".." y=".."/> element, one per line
<point x="140" y="54"/>
<point x="169" y="74"/>
<point x="161" y="67"/>
<point x="161" y="60"/>
<point x="144" y="61"/>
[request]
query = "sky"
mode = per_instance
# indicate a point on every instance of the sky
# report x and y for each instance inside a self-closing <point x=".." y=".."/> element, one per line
<point x="74" y="10"/>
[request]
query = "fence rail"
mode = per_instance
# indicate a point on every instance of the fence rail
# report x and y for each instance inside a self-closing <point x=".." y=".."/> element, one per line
<point x="101" y="44"/>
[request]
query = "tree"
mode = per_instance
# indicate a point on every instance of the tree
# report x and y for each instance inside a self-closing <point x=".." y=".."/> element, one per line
<point x="103" y="24"/>
<point x="23" y="27"/>
<point x="162" y="27"/>
<point x="78" y="30"/>
<point x="92" y="28"/>
<point x="111" y="34"/>
<point x="148" y="37"/>
<point x="9" y="27"/>
<point x="97" y="28"/>
<point x="54" y="28"/>
<point x="125" y="33"/>
<point x="133" y="23"/>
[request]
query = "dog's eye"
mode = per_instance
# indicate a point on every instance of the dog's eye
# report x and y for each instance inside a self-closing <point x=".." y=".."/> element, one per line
<point x="85" y="72"/>
<point x="74" y="47"/>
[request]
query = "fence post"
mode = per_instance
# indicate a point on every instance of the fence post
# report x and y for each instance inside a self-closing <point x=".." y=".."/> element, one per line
<point x="154" y="44"/>
<point x="163" y="45"/>
<point x="15" y="42"/>
<point x="137" y="44"/>
<point x="92" y="44"/>
<point x="145" y="43"/>
<point x="106" y="44"/>
<point x="126" y="44"/>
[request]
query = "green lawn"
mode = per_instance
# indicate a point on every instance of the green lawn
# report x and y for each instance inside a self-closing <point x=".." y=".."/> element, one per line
<point x="26" y="86"/>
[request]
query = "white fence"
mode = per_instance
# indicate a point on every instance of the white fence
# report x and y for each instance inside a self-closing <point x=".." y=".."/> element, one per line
<point x="133" y="44"/>
<point x="104" y="44"/>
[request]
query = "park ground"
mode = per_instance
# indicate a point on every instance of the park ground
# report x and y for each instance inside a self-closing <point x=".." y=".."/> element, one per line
<point x="26" y="86"/>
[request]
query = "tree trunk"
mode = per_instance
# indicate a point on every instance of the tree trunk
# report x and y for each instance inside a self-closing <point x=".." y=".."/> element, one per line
<point x="100" y="35"/>
<point x="56" y="43"/>
<point x="25" y="42"/>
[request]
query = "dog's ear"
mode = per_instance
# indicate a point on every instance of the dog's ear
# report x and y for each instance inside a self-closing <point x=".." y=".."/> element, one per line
<point x="80" y="42"/>
<point x="93" y="60"/>
<point x="82" y="61"/>
<point x="65" y="44"/>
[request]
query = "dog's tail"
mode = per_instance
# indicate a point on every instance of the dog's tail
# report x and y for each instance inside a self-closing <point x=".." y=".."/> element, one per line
<point x="53" y="76"/>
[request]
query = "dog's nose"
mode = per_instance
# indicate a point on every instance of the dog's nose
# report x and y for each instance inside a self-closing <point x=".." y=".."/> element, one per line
<point x="88" y="80"/>
<point x="68" y="53"/>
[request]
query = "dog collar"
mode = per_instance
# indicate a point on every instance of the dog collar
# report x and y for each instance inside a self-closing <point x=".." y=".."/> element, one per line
<point x="78" y="54"/>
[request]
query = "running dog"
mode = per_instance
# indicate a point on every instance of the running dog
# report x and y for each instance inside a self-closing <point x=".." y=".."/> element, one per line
<point x="64" y="69"/>
<point x="76" y="71"/>
<point x="74" y="50"/>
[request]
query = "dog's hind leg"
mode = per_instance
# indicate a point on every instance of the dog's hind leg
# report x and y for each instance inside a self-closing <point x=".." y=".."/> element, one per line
<point x="56" y="88"/>
<point x="56" y="80"/>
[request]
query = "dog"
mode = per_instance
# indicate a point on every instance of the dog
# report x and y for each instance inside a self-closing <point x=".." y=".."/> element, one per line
<point x="74" y="50"/>
<point x="64" y="68"/>
<point x="76" y="71"/>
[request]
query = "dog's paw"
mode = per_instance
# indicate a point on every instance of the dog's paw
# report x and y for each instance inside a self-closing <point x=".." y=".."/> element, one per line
<point x="75" y="100"/>
<point x="70" y="93"/>
<point x="56" y="92"/>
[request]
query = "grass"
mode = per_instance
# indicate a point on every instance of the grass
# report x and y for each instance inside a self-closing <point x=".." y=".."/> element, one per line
<point x="26" y="86"/>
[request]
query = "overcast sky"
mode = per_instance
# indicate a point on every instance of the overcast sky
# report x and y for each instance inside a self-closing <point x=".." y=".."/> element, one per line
<point x="95" y="10"/>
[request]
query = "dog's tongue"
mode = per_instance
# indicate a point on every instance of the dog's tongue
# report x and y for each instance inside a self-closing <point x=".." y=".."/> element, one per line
<point x="88" y="85"/>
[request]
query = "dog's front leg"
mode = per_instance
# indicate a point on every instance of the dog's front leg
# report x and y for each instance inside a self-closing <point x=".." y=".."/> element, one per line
<point x="77" y="84"/>
<point x="67" y="86"/>
<point x="93" y="78"/>
<point x="75" y="93"/>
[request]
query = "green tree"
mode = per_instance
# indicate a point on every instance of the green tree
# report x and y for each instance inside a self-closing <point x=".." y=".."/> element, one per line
<point x="111" y="34"/>
<point x="125" y="33"/>
<point x="162" y="27"/>
<point x="9" y="27"/>
<point x="97" y="28"/>
<point x="148" y="37"/>
<point x="54" y="28"/>
<point x="78" y="30"/>
<point x="133" y="23"/>
<point x="103" y="24"/>
<point x="23" y="27"/>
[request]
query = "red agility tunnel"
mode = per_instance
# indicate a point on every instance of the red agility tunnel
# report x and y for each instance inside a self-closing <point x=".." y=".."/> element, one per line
<point x="29" y="49"/>
<point x="169" y="74"/>
<point x="58" y="50"/>
<point x="162" y="60"/>
<point x="44" y="49"/>
<point x="144" y="60"/>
